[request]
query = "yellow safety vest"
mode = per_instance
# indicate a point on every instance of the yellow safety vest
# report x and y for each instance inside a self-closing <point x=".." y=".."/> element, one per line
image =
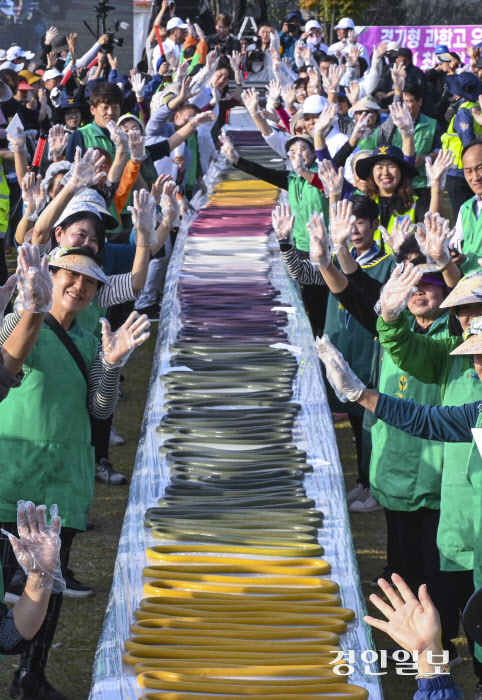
<point x="451" y="140"/>
<point x="377" y="237"/>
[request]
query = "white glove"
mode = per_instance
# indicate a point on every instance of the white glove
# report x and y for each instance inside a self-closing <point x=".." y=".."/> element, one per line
<point x="144" y="218"/>
<point x="433" y="238"/>
<point x="34" y="281"/>
<point x="437" y="171"/>
<point x="342" y="223"/>
<point x="37" y="549"/>
<point x="137" y="146"/>
<point x="402" y="229"/>
<point x="402" y="118"/>
<point x="119" y="346"/>
<point x="227" y="148"/>
<point x="397" y="291"/>
<point x="344" y="381"/>
<point x="320" y="244"/>
<point x="85" y="171"/>
<point x="331" y="179"/>
<point x="283" y="221"/>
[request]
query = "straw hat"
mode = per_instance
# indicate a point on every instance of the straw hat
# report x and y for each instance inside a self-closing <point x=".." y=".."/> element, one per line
<point x="467" y="291"/>
<point x="472" y="344"/>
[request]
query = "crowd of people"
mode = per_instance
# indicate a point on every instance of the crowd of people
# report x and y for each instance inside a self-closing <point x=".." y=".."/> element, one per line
<point x="382" y="166"/>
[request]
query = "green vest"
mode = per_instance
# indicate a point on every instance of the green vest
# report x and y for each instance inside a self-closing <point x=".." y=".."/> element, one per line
<point x="94" y="137"/>
<point x="406" y="471"/>
<point x="4" y="202"/>
<point x="474" y="475"/>
<point x="472" y="243"/>
<point x="451" y="140"/>
<point x="304" y="200"/>
<point x="45" y="432"/>
<point x="455" y="536"/>
<point x="424" y="135"/>
<point x="349" y="337"/>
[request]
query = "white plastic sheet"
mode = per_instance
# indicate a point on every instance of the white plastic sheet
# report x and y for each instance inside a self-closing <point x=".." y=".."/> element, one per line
<point x="313" y="432"/>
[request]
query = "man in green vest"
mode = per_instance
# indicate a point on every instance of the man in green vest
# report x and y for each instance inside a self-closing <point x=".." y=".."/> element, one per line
<point x="463" y="128"/>
<point x="467" y="236"/>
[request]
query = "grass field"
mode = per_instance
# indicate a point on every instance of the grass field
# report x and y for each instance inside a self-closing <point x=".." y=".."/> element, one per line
<point x="93" y="556"/>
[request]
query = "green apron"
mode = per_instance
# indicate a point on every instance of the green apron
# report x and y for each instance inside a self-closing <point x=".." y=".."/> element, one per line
<point x="45" y="438"/>
<point x="455" y="537"/>
<point x="304" y="200"/>
<point x="406" y="471"/>
<point x="89" y="318"/>
<point x="474" y="476"/>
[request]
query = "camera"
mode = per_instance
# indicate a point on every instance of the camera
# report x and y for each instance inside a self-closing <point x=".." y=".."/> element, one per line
<point x="292" y="28"/>
<point x="101" y="11"/>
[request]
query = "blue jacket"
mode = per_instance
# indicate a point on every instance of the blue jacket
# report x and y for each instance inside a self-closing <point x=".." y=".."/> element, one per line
<point x="438" y="688"/>
<point x="444" y="423"/>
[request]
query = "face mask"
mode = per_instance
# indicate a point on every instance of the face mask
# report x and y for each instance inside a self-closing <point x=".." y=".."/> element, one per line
<point x="314" y="40"/>
<point x="256" y="66"/>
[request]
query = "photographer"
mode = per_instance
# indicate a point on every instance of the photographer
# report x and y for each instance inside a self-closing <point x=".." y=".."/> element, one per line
<point x="290" y="34"/>
<point x="223" y="38"/>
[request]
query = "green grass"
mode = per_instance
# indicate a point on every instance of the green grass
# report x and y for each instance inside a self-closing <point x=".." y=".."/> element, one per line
<point x="93" y="557"/>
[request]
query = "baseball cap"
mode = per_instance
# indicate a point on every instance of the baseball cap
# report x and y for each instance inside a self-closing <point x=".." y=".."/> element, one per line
<point x="393" y="46"/>
<point x="441" y="48"/>
<point x="295" y="14"/>
<point x="312" y="24"/>
<point x="12" y="66"/>
<point x="345" y="23"/>
<point x="23" y="85"/>
<point x="51" y="73"/>
<point x="175" y="23"/>
<point x="15" y="52"/>
<point x="314" y="104"/>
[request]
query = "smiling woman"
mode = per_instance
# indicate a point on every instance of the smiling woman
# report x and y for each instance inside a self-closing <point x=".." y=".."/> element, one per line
<point x="45" y="433"/>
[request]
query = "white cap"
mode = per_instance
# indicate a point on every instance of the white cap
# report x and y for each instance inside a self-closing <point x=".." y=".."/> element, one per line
<point x="312" y="24"/>
<point x="15" y="52"/>
<point x="314" y="104"/>
<point x="392" y="46"/>
<point x="51" y="73"/>
<point x="175" y="23"/>
<point x="3" y="55"/>
<point x="13" y="66"/>
<point x="345" y="23"/>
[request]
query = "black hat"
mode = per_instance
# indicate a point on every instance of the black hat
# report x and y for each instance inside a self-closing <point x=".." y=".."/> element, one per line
<point x="472" y="617"/>
<point x="465" y="85"/>
<point x="364" y="166"/>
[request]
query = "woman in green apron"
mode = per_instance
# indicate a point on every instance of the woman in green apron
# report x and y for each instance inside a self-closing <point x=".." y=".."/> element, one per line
<point x="45" y="436"/>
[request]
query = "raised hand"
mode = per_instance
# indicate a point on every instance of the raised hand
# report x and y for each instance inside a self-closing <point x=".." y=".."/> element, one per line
<point x="212" y="60"/>
<point x="50" y="35"/>
<point x="402" y="118"/>
<point x="186" y="91"/>
<point x="33" y="195"/>
<point x="289" y="95"/>
<point x="227" y="148"/>
<point x="169" y="204"/>
<point x="118" y="136"/>
<point x="57" y="141"/>
<point x="331" y="178"/>
<point x="144" y="218"/>
<point x="412" y="623"/>
<point x="235" y="60"/>
<point x="137" y="147"/>
<point x="314" y="78"/>
<point x="437" y="171"/>
<point x="362" y="128"/>
<point x="342" y="223"/>
<point x="325" y="121"/>
<point x="157" y="187"/>
<point x="477" y="113"/>
<point x="353" y="91"/>
<point x="200" y="34"/>
<point x="399" y="75"/>
<point x="353" y="55"/>
<point x="332" y="79"/>
<point x="190" y="29"/>
<point x="203" y="118"/>
<point x="402" y="229"/>
<point x="119" y="346"/>
<point x="250" y="99"/>
<point x="86" y="170"/>
<point x="344" y="381"/>
<point x="398" y="290"/>
<point x="297" y="161"/>
<point x="320" y="244"/>
<point x="381" y="50"/>
<point x="37" y="549"/>
<point x="274" y="91"/>
<point x="6" y="292"/>
<point x="433" y="238"/>
<point x="34" y="281"/>
<point x="275" y="58"/>
<point x="138" y="84"/>
<point x="283" y="221"/>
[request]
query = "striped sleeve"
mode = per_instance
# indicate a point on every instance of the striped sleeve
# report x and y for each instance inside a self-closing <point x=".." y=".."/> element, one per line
<point x="103" y="389"/>
<point x="9" y="323"/>
<point x="120" y="291"/>
<point x="300" y="270"/>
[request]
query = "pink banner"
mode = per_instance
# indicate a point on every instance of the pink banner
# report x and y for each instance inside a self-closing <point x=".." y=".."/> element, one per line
<point x="423" y="40"/>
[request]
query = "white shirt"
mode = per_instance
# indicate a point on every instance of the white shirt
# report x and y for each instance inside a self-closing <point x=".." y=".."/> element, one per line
<point x="458" y="234"/>
<point x="344" y="47"/>
<point x="169" y="45"/>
